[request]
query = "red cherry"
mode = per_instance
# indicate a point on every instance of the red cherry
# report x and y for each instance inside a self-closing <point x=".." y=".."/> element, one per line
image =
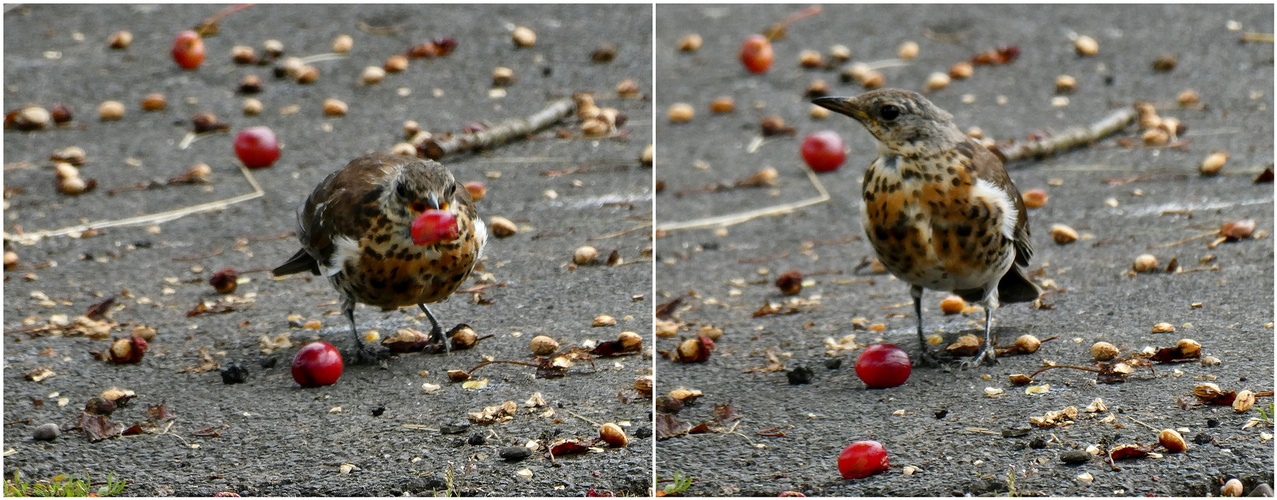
<point x="433" y="226"/>
<point x="256" y="147"/>
<point x="883" y="365"/>
<point x="823" y="151"/>
<point x="756" y="54"/>
<point x="188" y="49"/>
<point x="317" y="364"/>
<point x="862" y="459"/>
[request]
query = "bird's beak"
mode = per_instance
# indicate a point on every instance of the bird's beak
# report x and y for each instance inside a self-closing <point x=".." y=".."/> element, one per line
<point x="841" y="105"/>
<point x="432" y="200"/>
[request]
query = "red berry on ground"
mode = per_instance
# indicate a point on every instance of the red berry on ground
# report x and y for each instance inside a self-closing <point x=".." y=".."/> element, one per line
<point x="756" y="54"/>
<point x="862" y="459"/>
<point x="317" y="364"/>
<point x="883" y="365"/>
<point x="823" y="151"/>
<point x="257" y="147"/>
<point x="188" y="49"/>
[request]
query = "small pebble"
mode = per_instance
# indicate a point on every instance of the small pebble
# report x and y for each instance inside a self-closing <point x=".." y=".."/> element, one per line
<point x="514" y="453"/>
<point x="46" y="432"/>
<point x="1075" y="457"/>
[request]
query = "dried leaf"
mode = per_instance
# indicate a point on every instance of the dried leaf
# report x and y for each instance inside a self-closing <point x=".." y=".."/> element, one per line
<point x="668" y="426"/>
<point x="664" y="311"/>
<point x="99" y="427"/>
<point x="209" y="364"/>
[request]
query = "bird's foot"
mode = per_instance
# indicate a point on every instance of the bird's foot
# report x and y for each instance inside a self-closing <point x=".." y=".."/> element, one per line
<point x="926" y="359"/>
<point x="985" y="357"/>
<point x="366" y="356"/>
<point x="438" y="342"/>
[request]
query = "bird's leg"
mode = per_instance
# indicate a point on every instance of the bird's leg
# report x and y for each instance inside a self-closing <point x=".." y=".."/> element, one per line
<point x="926" y="359"/>
<point x="362" y="354"/>
<point x="986" y="352"/>
<point x="436" y="331"/>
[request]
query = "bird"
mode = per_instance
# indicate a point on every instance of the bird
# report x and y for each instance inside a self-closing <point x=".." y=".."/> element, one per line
<point x="940" y="211"/>
<point x="356" y="230"/>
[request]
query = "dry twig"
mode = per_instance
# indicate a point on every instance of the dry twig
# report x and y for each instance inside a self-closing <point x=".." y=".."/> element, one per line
<point x="506" y="131"/>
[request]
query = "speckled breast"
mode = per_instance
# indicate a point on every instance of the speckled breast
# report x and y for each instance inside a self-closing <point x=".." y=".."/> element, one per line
<point x="392" y="272"/>
<point x="930" y="230"/>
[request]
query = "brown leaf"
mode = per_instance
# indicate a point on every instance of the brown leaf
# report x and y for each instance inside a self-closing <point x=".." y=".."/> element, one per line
<point x="99" y="427"/>
<point x="569" y="447"/>
<point x="158" y="413"/>
<point x="203" y="308"/>
<point x="725" y="413"/>
<point x="1237" y="230"/>
<point x="664" y="311"/>
<point x="668" y="426"/>
<point x="96" y="311"/>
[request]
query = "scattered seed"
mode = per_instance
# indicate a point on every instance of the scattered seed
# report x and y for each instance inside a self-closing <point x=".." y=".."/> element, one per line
<point x="224" y="281"/>
<point x="10" y="259"/>
<point x="819" y="113"/>
<point x="250" y="84"/>
<point x="975" y="133"/>
<point x="31" y="118"/>
<point x="60" y="113"/>
<point x="1035" y="198"/>
<point x="722" y="105"/>
<point x="73" y="185"/>
<point x="1065" y="84"/>
<point x="1213" y="163"/>
<point x="476" y="190"/>
<point x="817" y="88"/>
<point x="396" y="63"/>
<point x="343" y="43"/>
<point x="1188" y="98"/>
<point x="502" y="227"/>
<point x="307" y="74"/>
<point x="111" y="110"/>
<point x="1156" y="137"/>
<point x="585" y="255"/>
<point x="839" y="54"/>
<point x="690" y="43"/>
<point x="373" y="74"/>
<point x="74" y="155"/>
<point x="252" y="106"/>
<point x="681" y="113"/>
<point x="936" y="81"/>
<point x="855" y="72"/>
<point x="952" y="304"/>
<point x="502" y="76"/>
<point x="595" y="127"/>
<point x="604" y="54"/>
<point x="1232" y="488"/>
<point x="273" y="48"/>
<point x="523" y="37"/>
<point x="403" y="149"/>
<point x="1145" y="263"/>
<point x="873" y="80"/>
<point x="542" y="345"/>
<point x="1063" y="234"/>
<point x="603" y="320"/>
<point x="154" y="102"/>
<point x="908" y="50"/>
<point x="334" y="107"/>
<point x="1086" y="46"/>
<point x="1165" y="62"/>
<point x="1103" y="351"/>
<point x="120" y="40"/>
<point x="1163" y="327"/>
<point x="961" y="70"/>
<point x="627" y="89"/>
<point x="648" y="155"/>
<point x="613" y="435"/>
<point x="811" y="59"/>
<point x="243" y="54"/>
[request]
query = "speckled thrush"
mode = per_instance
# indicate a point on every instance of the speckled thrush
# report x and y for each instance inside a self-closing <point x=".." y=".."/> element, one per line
<point x="940" y="210"/>
<point x="355" y="229"/>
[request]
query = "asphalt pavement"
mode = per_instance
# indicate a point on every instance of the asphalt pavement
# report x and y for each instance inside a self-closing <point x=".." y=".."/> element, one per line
<point x="379" y="431"/>
<point x="944" y="429"/>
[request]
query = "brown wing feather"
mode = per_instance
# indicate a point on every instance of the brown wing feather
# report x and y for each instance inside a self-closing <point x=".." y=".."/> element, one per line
<point x="351" y="192"/>
<point x="988" y="167"/>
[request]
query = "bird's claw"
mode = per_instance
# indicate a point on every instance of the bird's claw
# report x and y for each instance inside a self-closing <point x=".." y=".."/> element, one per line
<point x="985" y="354"/>
<point x="366" y="356"/>
<point x="438" y="342"/>
<point x="926" y="359"/>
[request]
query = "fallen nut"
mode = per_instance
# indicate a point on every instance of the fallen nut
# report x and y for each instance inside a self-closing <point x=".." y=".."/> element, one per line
<point x="613" y="435"/>
<point x="1171" y="440"/>
<point x="1086" y="46"/>
<point x="343" y="43"/>
<point x="1232" y="488"/>
<point x="952" y="304"/>
<point x="542" y="345"/>
<point x="1065" y="84"/>
<point x="120" y="40"/>
<point x="603" y="320"/>
<point x="1213" y="163"/>
<point x="523" y="37"/>
<point x="936" y="81"/>
<point x="1103" y="351"/>
<point x="373" y="74"/>
<point x="585" y="255"/>
<point x="1145" y="263"/>
<point x="1163" y="328"/>
<point x="961" y="70"/>
<point x="722" y="105"/>
<point x="681" y="113"/>
<point x="1034" y="198"/>
<point x="501" y="227"/>
<point x="1063" y="234"/>
<point x="111" y="110"/>
<point x="908" y="50"/>
<point x="334" y="107"/>
<point x="153" y="102"/>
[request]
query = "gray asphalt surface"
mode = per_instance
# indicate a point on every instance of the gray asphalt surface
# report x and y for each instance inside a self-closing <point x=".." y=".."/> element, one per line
<point x="941" y="424"/>
<point x="273" y="437"/>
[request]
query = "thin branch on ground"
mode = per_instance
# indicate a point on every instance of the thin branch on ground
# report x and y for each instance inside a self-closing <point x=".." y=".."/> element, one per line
<point x="503" y="132"/>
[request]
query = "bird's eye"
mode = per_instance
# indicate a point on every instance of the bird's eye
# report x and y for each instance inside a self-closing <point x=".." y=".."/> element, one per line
<point x="402" y="190"/>
<point x="450" y="192"/>
<point x="889" y="112"/>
